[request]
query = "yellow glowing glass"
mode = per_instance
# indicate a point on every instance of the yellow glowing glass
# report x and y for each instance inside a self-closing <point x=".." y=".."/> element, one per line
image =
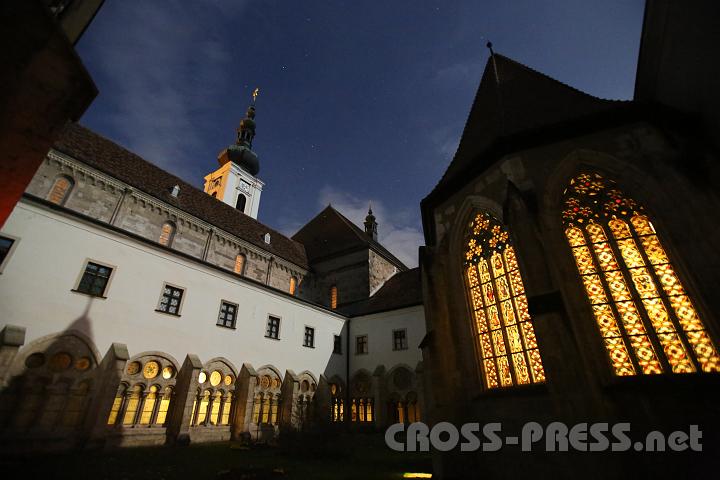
<point x="505" y="335"/>
<point x="648" y="322"/>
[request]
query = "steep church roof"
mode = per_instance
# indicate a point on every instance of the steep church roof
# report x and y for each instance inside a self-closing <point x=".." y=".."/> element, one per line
<point x="404" y="289"/>
<point x="112" y="159"/>
<point x="516" y="99"/>
<point x="331" y="233"/>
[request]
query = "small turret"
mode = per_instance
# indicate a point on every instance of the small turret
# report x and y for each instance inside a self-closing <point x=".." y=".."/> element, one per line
<point x="371" y="225"/>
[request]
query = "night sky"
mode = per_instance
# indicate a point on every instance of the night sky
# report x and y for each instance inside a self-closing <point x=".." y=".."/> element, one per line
<point x="359" y="101"/>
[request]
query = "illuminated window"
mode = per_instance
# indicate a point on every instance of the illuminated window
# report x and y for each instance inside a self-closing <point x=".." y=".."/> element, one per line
<point x="149" y="406"/>
<point x="164" y="406"/>
<point x="239" y="264"/>
<point x="202" y="408"/>
<point x="132" y="403"/>
<point x="226" y="407"/>
<point x="647" y="320"/>
<point x="94" y="279"/>
<point x="115" y="409"/>
<point x="215" y="409"/>
<point x="505" y="335"/>
<point x="361" y="409"/>
<point x="337" y="404"/>
<point x="60" y="190"/>
<point x="293" y="285"/>
<point x="167" y="233"/>
<point x="333" y="297"/>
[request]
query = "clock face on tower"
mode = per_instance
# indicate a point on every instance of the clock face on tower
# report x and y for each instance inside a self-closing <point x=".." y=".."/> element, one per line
<point x="244" y="186"/>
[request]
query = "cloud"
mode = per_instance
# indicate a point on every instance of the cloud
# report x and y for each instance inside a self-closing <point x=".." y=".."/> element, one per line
<point x="396" y="228"/>
<point x="166" y="73"/>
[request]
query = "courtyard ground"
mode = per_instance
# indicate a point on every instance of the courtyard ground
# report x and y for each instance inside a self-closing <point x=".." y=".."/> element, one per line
<point x="341" y="456"/>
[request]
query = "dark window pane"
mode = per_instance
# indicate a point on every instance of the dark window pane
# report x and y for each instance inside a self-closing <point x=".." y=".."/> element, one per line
<point x="94" y="279"/>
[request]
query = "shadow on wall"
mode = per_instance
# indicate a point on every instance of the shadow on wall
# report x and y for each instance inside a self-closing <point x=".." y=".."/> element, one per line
<point x="49" y="398"/>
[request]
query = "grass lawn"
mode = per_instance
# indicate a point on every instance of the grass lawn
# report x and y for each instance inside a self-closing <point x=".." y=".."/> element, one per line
<point x="336" y="456"/>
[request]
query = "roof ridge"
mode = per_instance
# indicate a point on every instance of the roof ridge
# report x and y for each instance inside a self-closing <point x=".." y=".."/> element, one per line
<point x="71" y="143"/>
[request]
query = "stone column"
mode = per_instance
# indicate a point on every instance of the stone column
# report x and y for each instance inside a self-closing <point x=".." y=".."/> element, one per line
<point x="289" y="414"/>
<point x="178" y="429"/>
<point x="12" y="338"/>
<point x="105" y="387"/>
<point x="378" y="394"/>
<point x="244" y="396"/>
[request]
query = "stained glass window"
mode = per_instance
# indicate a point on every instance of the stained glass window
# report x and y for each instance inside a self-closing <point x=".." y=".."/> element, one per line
<point x="507" y="347"/>
<point x="647" y="320"/>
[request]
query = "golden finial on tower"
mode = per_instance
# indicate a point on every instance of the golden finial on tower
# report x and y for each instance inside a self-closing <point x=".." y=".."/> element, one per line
<point x="255" y="94"/>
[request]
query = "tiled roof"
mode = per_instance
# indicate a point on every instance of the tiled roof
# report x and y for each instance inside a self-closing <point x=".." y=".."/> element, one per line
<point x="331" y="233"/>
<point x="404" y="289"/>
<point x="100" y="153"/>
<point x="518" y="100"/>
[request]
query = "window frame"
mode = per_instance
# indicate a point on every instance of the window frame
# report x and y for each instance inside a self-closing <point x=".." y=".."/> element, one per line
<point x="242" y="267"/>
<point x="367" y="344"/>
<point x="337" y="342"/>
<point x="66" y="194"/>
<point x="171" y="237"/>
<point x="81" y="275"/>
<point x="10" y="252"/>
<point x="312" y="339"/>
<point x="267" y="324"/>
<point x="182" y="299"/>
<point x="404" y="343"/>
<point x="235" y="315"/>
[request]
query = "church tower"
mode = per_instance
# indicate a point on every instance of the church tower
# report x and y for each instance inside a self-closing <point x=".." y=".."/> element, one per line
<point x="236" y="182"/>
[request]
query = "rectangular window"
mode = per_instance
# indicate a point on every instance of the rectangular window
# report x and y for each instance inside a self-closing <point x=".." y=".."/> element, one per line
<point x="400" y="340"/>
<point x="171" y="300"/>
<point x="6" y="246"/>
<point x="94" y="279"/>
<point x="309" y="337"/>
<point x="361" y="345"/>
<point x="337" y="344"/>
<point x="227" y="315"/>
<point x="273" y="327"/>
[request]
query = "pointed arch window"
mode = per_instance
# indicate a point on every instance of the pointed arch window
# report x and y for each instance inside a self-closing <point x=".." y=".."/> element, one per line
<point x="167" y="233"/>
<point x="647" y="319"/>
<point x="60" y="190"/>
<point x="505" y="335"/>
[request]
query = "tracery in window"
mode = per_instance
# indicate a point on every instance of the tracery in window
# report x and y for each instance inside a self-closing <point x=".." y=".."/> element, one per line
<point x="647" y="319"/>
<point x="145" y="393"/>
<point x="337" y="402"/>
<point x="213" y="402"/>
<point x="266" y="397"/>
<point x="60" y="190"/>
<point x="505" y="335"/>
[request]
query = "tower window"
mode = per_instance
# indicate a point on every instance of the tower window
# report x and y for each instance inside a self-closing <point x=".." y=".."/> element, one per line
<point x="167" y="233"/>
<point x="60" y="190"/>
<point x="94" y="279"/>
<point x="241" y="201"/>
<point x="240" y="264"/>
<point x="333" y="297"/>
<point x="309" y="340"/>
<point x="507" y="349"/>
<point x="647" y="320"/>
<point x="293" y="285"/>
